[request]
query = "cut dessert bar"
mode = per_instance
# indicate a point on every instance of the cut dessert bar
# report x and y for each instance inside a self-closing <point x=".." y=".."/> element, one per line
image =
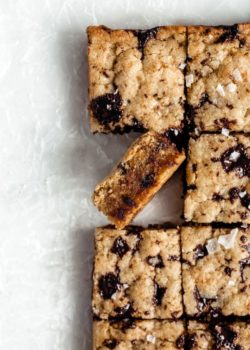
<point x="136" y="78"/>
<point x="144" y="335"/>
<point x="218" y="186"/>
<point x="218" y="77"/>
<point x="221" y="336"/>
<point x="147" y="165"/>
<point x="137" y="273"/>
<point x="216" y="271"/>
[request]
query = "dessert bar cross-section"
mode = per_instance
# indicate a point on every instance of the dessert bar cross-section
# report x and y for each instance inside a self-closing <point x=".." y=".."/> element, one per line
<point x="218" y="186"/>
<point x="220" y="336"/>
<point x="136" y="79"/>
<point x="216" y="271"/>
<point x="137" y="273"/>
<point x="144" y="335"/>
<point x="148" y="164"/>
<point x="218" y="77"/>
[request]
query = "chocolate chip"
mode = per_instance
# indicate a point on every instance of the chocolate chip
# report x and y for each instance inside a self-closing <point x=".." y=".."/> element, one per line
<point x="243" y="264"/>
<point x="110" y="343"/>
<point x="225" y="338"/>
<point x="242" y="42"/>
<point x="217" y="197"/>
<point x="240" y="164"/>
<point x="120" y="247"/>
<point x="128" y="201"/>
<point x="230" y="33"/>
<point x="108" y="284"/>
<point x="155" y="261"/>
<point x="204" y="304"/>
<point x="125" y="311"/>
<point x="107" y="108"/>
<point x="228" y="270"/>
<point x="144" y="35"/>
<point x="200" y="251"/>
<point x="159" y="294"/>
<point x="180" y="342"/>
<point x="148" y="180"/>
<point x="177" y="137"/>
<point x="126" y="324"/>
<point x="190" y="341"/>
<point x="174" y="258"/>
<point x="194" y="167"/>
<point x="243" y="239"/>
<point x="245" y="201"/>
<point x="234" y="193"/>
<point x="203" y="100"/>
<point x="120" y="213"/>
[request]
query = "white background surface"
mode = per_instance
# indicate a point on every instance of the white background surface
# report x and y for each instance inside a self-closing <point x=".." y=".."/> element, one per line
<point x="49" y="162"/>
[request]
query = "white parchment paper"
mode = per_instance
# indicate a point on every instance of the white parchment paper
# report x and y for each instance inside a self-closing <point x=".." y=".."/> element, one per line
<point x="50" y="163"/>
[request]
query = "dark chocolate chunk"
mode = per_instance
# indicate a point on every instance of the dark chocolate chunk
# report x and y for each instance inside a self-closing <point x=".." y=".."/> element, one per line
<point x="191" y="187"/>
<point x="243" y="264"/>
<point x="225" y="338"/>
<point x="126" y="324"/>
<point x="234" y="193"/>
<point x="177" y="137"/>
<point x="203" y="100"/>
<point x="180" y="342"/>
<point x="159" y="294"/>
<point x="174" y="258"/>
<point x="107" y="108"/>
<point x="108" y="285"/>
<point x="110" y="343"/>
<point x="217" y="197"/>
<point x="128" y="201"/>
<point x="190" y="341"/>
<point x="125" y="311"/>
<point x="155" y="261"/>
<point x="228" y="270"/>
<point x="200" y="251"/>
<point x="148" y="180"/>
<point x="230" y="33"/>
<point x="239" y="162"/>
<point x="120" y="247"/>
<point x="245" y="201"/>
<point x="203" y="303"/>
<point x="120" y="213"/>
<point x="143" y="36"/>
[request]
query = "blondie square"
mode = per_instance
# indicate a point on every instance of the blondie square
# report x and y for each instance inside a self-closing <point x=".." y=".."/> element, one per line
<point x="137" y="273"/>
<point x="221" y="336"/>
<point x="141" y="335"/>
<point x="148" y="164"/>
<point x="218" y="77"/>
<point x="136" y="79"/>
<point x="218" y="186"/>
<point x="216" y="271"/>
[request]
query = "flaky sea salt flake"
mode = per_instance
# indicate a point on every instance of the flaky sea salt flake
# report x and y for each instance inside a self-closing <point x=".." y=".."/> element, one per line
<point x="232" y="87"/>
<point x="227" y="241"/>
<point x="151" y="338"/>
<point x="220" y="90"/>
<point x="212" y="246"/>
<point x="236" y="74"/>
<point x="234" y="155"/>
<point x="182" y="65"/>
<point x="225" y="132"/>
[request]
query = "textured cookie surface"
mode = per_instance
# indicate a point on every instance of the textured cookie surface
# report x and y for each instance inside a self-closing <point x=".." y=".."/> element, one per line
<point x="136" y="78"/>
<point x="218" y="77"/>
<point x="221" y="336"/>
<point x="218" y="187"/>
<point x="137" y="273"/>
<point x="146" y="166"/>
<point x="139" y="335"/>
<point x="216" y="271"/>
